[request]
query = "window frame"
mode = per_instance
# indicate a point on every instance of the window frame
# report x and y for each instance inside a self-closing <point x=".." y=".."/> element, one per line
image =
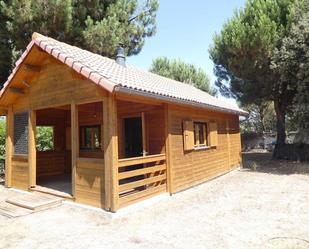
<point x="82" y="139"/>
<point x="53" y="129"/>
<point x="197" y="134"/>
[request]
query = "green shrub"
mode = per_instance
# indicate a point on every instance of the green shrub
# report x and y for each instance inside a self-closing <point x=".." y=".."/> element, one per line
<point x="44" y="138"/>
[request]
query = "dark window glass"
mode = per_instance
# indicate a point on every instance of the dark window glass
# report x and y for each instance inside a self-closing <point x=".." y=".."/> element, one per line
<point x="90" y="137"/>
<point x="200" y="134"/>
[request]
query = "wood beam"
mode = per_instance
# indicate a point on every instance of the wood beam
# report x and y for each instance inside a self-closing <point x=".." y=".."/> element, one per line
<point x="74" y="143"/>
<point x="111" y="153"/>
<point x="144" y="134"/>
<point x="168" y="150"/>
<point x="9" y="147"/>
<point x="32" y="148"/>
<point x="228" y="142"/>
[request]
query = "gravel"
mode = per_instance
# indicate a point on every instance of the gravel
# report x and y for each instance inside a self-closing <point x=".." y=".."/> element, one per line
<point x="260" y="208"/>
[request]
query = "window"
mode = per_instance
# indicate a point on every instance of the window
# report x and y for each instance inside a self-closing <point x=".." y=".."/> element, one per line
<point x="200" y="134"/>
<point x="44" y="138"/>
<point x="90" y="137"/>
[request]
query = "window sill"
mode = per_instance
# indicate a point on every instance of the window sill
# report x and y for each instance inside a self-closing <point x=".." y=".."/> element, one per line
<point x="90" y="150"/>
<point x="205" y="147"/>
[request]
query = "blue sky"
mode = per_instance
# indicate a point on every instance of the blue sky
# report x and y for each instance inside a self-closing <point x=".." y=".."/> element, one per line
<point x="185" y="30"/>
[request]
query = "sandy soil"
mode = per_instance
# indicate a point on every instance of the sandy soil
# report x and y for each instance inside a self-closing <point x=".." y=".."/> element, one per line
<point x="265" y="208"/>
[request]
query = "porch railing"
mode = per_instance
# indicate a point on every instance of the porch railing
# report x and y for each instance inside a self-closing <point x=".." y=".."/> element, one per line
<point x="141" y="177"/>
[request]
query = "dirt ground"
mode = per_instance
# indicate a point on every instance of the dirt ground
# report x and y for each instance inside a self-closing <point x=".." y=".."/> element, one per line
<point x="264" y="205"/>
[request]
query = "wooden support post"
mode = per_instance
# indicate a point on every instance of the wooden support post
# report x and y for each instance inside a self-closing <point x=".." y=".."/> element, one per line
<point x="144" y="134"/>
<point x="111" y="153"/>
<point x="228" y="143"/>
<point x="32" y="148"/>
<point x="9" y="147"/>
<point x="74" y="142"/>
<point x="169" y="166"/>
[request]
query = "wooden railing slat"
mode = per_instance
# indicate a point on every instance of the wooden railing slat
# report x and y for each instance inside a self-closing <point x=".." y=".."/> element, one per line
<point x="137" y="172"/>
<point x="140" y="160"/>
<point x="142" y="182"/>
<point x="129" y="199"/>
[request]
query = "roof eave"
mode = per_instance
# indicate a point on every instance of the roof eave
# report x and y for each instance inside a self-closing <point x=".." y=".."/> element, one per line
<point x="159" y="97"/>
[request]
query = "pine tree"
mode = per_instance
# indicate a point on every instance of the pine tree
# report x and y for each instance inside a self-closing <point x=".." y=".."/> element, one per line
<point x="183" y="72"/>
<point x="98" y="25"/>
<point x="243" y="53"/>
<point x="291" y="61"/>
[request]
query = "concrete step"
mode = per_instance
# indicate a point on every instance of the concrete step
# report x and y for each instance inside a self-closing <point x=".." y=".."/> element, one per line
<point x="35" y="201"/>
<point x="13" y="211"/>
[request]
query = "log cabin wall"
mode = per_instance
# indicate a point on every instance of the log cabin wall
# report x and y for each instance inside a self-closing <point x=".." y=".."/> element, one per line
<point x="54" y="86"/>
<point x="20" y="172"/>
<point x="155" y="130"/>
<point x="58" y="160"/>
<point x="57" y="85"/>
<point x="91" y="114"/>
<point x="235" y="144"/>
<point x="154" y="125"/>
<point x="189" y="168"/>
<point x="89" y="182"/>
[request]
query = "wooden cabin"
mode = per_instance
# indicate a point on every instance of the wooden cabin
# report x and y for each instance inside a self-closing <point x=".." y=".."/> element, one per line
<point x="117" y="134"/>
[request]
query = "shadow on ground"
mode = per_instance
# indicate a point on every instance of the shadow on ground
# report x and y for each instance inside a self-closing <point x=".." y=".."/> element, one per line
<point x="263" y="162"/>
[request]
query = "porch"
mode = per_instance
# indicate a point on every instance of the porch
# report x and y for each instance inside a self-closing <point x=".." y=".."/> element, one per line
<point x="109" y="153"/>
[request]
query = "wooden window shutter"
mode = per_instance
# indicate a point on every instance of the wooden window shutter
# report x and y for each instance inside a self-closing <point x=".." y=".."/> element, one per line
<point x="213" y="134"/>
<point x="188" y="135"/>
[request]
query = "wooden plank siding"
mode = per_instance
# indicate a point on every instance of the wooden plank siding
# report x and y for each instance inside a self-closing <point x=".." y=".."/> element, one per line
<point x="57" y="85"/>
<point x="20" y="172"/>
<point x="9" y="147"/>
<point x="190" y="168"/>
<point x="51" y="93"/>
<point x="235" y="145"/>
<point x="58" y="160"/>
<point x="89" y="182"/>
<point x="58" y="96"/>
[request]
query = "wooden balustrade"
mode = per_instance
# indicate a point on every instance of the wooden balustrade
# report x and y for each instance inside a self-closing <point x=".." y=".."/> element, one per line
<point x="141" y="177"/>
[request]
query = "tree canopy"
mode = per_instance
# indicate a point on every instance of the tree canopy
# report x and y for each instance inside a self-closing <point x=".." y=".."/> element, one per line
<point x="260" y="118"/>
<point x="291" y="61"/>
<point x="183" y="72"/>
<point x="98" y="26"/>
<point x="243" y="53"/>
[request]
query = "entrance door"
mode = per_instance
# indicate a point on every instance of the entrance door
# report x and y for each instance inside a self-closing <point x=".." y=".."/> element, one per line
<point x="133" y="145"/>
<point x="133" y="137"/>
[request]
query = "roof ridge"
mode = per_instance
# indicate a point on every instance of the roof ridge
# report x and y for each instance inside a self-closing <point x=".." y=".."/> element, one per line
<point x="40" y="37"/>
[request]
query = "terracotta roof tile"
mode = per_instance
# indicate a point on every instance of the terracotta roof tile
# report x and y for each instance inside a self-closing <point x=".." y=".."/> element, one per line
<point x="108" y="74"/>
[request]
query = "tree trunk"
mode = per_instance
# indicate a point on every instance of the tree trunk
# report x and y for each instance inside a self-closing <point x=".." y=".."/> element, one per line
<point x="280" y="109"/>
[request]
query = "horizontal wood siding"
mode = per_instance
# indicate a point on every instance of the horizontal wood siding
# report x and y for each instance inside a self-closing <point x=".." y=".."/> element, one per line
<point x="52" y="163"/>
<point x="56" y="161"/>
<point x="90" y="182"/>
<point x="20" y="173"/>
<point x="235" y="145"/>
<point x="190" y="168"/>
<point x="155" y="132"/>
<point x="57" y="85"/>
